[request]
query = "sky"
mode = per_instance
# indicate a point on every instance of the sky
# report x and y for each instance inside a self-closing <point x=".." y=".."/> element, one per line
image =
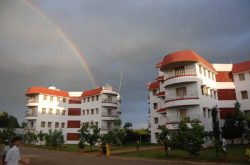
<point x="113" y="36"/>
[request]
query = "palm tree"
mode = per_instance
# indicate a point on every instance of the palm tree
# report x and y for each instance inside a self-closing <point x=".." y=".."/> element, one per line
<point x="163" y="138"/>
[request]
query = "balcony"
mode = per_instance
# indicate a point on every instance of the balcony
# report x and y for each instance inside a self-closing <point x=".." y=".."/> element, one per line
<point x="110" y="90"/>
<point x="106" y="114"/>
<point x="32" y="101"/>
<point x="182" y="98"/>
<point x="30" y="128"/>
<point x="179" y="73"/>
<point x="107" y="128"/>
<point x="107" y="102"/>
<point x="177" y="119"/>
<point x="28" y="113"/>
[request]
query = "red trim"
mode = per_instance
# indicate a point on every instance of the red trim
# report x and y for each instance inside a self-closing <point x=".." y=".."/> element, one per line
<point x="162" y="110"/>
<point x="38" y="90"/>
<point x="74" y="124"/>
<point x="180" y="99"/>
<point x="224" y="76"/>
<point x="109" y="116"/>
<point x="74" y="111"/>
<point x="154" y="85"/>
<point x="224" y="111"/>
<point x="91" y="92"/>
<point x="180" y="76"/>
<point x="161" y="93"/>
<point x="72" y="136"/>
<point x="158" y="64"/>
<point x="241" y="67"/>
<point x="110" y="103"/>
<point x="159" y="78"/>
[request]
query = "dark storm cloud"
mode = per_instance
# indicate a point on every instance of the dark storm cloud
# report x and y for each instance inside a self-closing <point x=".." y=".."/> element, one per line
<point x="113" y="37"/>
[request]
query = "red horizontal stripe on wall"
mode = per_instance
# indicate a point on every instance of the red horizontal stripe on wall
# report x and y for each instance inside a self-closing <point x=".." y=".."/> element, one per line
<point x="72" y="136"/>
<point x="224" y="76"/>
<point x="74" y="101"/>
<point x="74" y="111"/>
<point x="226" y="94"/>
<point x="74" y="124"/>
<point x="224" y="111"/>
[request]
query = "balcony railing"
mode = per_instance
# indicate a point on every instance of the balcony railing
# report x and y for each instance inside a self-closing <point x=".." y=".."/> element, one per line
<point x="107" y="87"/>
<point x="177" y="119"/>
<point x="28" y="113"/>
<point x="179" y="73"/>
<point x="112" y="114"/>
<point x="105" y="127"/>
<point x="149" y="110"/>
<point x="149" y="125"/>
<point x="29" y="127"/>
<point x="182" y="95"/>
<point x="107" y="100"/>
<point x="32" y="100"/>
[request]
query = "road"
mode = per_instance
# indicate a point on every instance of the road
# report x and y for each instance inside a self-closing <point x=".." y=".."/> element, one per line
<point x="48" y="157"/>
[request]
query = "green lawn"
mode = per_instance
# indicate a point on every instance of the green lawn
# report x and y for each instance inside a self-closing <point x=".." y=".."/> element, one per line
<point x="206" y="155"/>
<point x="74" y="147"/>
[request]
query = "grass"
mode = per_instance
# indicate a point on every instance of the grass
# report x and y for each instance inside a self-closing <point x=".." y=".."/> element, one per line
<point x="74" y="147"/>
<point x="206" y="155"/>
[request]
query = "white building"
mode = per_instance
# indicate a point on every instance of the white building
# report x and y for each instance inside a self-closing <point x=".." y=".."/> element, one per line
<point x="50" y="108"/>
<point x="189" y="86"/>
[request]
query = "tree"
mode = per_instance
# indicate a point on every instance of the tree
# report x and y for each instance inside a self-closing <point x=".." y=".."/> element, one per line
<point x="164" y="138"/>
<point x="40" y="136"/>
<point x="240" y="122"/>
<point x="189" y="139"/>
<point x="91" y="134"/>
<point x="6" y="120"/>
<point x="230" y="126"/>
<point x="216" y="133"/>
<point x="52" y="136"/>
<point x="23" y="124"/>
<point x="31" y="136"/>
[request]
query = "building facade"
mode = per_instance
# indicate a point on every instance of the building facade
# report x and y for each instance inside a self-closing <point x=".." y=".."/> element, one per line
<point x="50" y="108"/>
<point x="189" y="86"/>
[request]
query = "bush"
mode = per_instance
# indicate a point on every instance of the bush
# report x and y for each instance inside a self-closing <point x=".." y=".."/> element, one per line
<point x="81" y="145"/>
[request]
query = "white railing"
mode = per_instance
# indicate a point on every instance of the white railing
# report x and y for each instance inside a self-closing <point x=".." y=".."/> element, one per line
<point x="32" y="100"/>
<point x="107" y="100"/>
<point x="28" y="113"/>
<point x="105" y="127"/>
<point x="149" y="110"/>
<point x="180" y="72"/>
<point x="107" y="87"/>
<point x="182" y="95"/>
<point x="30" y="128"/>
<point x="149" y="125"/>
<point x="174" y="119"/>
<point x="112" y="114"/>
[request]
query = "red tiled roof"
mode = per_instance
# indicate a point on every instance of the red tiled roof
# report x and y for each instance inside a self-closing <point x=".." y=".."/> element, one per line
<point x="158" y="64"/>
<point x="185" y="55"/>
<point x="37" y="90"/>
<point x="154" y="85"/>
<point x="161" y="93"/>
<point x="162" y="110"/>
<point x="91" y="92"/>
<point x="241" y="67"/>
<point x="159" y="78"/>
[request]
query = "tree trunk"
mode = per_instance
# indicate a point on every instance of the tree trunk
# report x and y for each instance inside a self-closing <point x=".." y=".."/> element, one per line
<point x="217" y="154"/>
<point x="90" y="147"/>
<point x="166" y="150"/>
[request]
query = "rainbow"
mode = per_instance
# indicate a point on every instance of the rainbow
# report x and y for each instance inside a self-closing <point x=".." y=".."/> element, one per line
<point x="67" y="40"/>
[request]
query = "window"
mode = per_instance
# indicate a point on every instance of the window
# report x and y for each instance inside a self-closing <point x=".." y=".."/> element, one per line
<point x="214" y="94"/>
<point x="58" y="99"/>
<point x="241" y="77"/>
<point x="97" y="98"/>
<point x="204" y="112"/>
<point x="182" y="113"/>
<point x="154" y="92"/>
<point x="208" y="74"/>
<point x="93" y="98"/>
<point x="156" y="135"/>
<point x="209" y="113"/>
<point x="84" y="100"/>
<point x="155" y="106"/>
<point x="42" y="124"/>
<point x="44" y="97"/>
<point x="97" y="111"/>
<point x="211" y="93"/>
<point x="49" y="124"/>
<point x="57" y="111"/>
<point x="247" y="112"/>
<point x="96" y="123"/>
<point x="202" y="90"/>
<point x="200" y="69"/>
<point x="181" y="92"/>
<point x="156" y="120"/>
<point x="51" y="98"/>
<point x="244" y="95"/>
<point x="204" y="70"/>
<point x="212" y="76"/>
<point x="206" y="91"/>
<point x="83" y="112"/>
<point x="92" y="111"/>
<point x="88" y="99"/>
<point x="50" y="111"/>
<point x="64" y="100"/>
<point x="87" y="112"/>
<point x="57" y="125"/>
<point x="62" y="125"/>
<point x="63" y="112"/>
<point x="44" y="111"/>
